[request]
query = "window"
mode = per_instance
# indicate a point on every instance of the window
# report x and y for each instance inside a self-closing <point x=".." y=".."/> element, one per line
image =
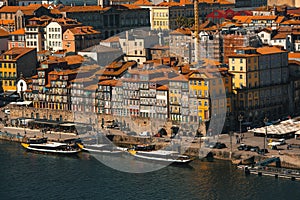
<point x="241" y="68"/>
<point x="232" y="68"/>
<point x="232" y="60"/>
<point x="241" y="60"/>
<point x="241" y="76"/>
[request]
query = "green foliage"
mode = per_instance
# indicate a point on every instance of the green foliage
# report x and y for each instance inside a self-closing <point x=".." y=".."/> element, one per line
<point x="184" y="22"/>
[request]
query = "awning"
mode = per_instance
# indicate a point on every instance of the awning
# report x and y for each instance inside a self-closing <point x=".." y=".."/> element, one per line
<point x="68" y="124"/>
<point x="23" y="103"/>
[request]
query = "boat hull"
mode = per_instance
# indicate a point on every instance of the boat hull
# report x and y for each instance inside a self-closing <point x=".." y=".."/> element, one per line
<point x="100" y="149"/>
<point x="160" y="160"/>
<point x="52" y="151"/>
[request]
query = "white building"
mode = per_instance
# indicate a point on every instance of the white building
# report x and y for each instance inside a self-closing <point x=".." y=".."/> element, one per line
<point x="55" y="30"/>
<point x="136" y="44"/>
<point x="54" y="36"/>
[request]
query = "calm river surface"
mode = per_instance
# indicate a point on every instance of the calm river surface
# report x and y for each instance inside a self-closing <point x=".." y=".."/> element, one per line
<point x="25" y="175"/>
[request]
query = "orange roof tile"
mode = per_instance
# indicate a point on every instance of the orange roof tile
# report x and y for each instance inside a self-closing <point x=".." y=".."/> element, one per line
<point x="162" y="88"/>
<point x="18" y="32"/>
<point x="111" y="82"/>
<point x="131" y="6"/>
<point x="280" y="36"/>
<point x="83" y="8"/>
<point x="112" y="39"/>
<point x="83" y="30"/>
<point x="294" y="55"/>
<point x="55" y="11"/>
<point x="3" y="33"/>
<point x="269" y="50"/>
<point x="181" y="31"/>
<point x="291" y="22"/>
<point x="18" y="51"/>
<point x="168" y="4"/>
<point x="7" y="21"/>
<point x="27" y="10"/>
<point x="143" y="3"/>
<point x="74" y="59"/>
<point x="179" y="78"/>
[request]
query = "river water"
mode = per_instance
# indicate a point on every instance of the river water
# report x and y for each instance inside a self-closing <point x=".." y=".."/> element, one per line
<point x="25" y="175"/>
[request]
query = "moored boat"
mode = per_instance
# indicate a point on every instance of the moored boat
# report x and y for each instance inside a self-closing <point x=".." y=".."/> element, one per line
<point x="162" y="156"/>
<point x="52" y="147"/>
<point x="102" y="148"/>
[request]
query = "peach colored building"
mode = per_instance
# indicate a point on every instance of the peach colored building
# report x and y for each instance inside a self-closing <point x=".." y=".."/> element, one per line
<point x="78" y="38"/>
<point x="17" y="38"/>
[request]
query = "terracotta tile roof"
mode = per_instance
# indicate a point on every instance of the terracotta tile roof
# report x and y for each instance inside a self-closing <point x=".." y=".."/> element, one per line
<point x="296" y="62"/>
<point x="291" y="22"/>
<point x="242" y="19"/>
<point x="215" y="1"/>
<point x="249" y="19"/>
<point x="83" y="30"/>
<point x="162" y="88"/>
<point x="143" y="3"/>
<point x="285" y="29"/>
<point x="121" y="69"/>
<point x="68" y="72"/>
<point x="112" y="39"/>
<point x="111" y="82"/>
<point x="280" y="19"/>
<point x="11" y="9"/>
<point x="7" y="21"/>
<point x="267" y="29"/>
<point x="44" y="52"/>
<point x="280" y="36"/>
<point x="27" y="10"/>
<point x="186" y="2"/>
<point x="3" y="33"/>
<point x="83" y="9"/>
<point x="55" y="11"/>
<point x="131" y="6"/>
<point x="168" y="4"/>
<point x="179" y="78"/>
<point x="269" y="50"/>
<point x="74" y="59"/>
<point x="294" y="55"/>
<point x="18" y="32"/>
<point x="18" y="51"/>
<point x="66" y="21"/>
<point x="53" y="73"/>
<point x="181" y="31"/>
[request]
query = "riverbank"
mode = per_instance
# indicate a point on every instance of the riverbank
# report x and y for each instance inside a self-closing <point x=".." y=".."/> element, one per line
<point x="289" y="158"/>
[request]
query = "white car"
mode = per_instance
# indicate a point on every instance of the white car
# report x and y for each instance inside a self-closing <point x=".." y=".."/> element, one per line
<point x="145" y="133"/>
<point x="274" y="144"/>
<point x="7" y="112"/>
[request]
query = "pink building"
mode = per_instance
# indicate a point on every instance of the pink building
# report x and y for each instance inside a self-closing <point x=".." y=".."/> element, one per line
<point x="17" y="38"/>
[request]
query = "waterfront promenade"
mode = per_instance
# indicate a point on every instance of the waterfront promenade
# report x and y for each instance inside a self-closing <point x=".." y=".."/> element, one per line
<point x="289" y="157"/>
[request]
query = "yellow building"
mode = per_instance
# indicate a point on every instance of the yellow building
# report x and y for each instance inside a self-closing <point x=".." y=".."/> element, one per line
<point x="212" y="88"/>
<point x="260" y="83"/>
<point x="160" y="17"/>
<point x="15" y="62"/>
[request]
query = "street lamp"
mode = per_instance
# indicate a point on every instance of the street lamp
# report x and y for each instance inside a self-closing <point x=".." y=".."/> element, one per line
<point x="240" y="118"/>
<point x="265" y="121"/>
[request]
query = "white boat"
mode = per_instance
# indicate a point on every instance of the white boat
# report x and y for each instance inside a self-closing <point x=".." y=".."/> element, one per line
<point x="161" y="156"/>
<point x="52" y="147"/>
<point x="102" y="148"/>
